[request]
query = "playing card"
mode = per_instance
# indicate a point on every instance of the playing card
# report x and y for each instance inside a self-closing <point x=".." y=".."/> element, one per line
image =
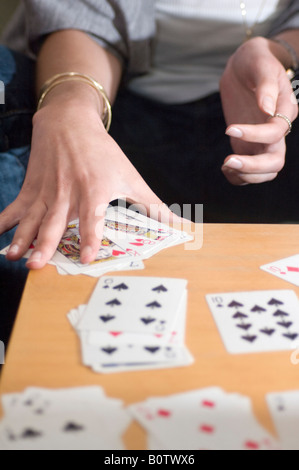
<point x="135" y="265"/>
<point x="284" y="409"/>
<point x="68" y="257"/>
<point x="38" y="401"/>
<point x="9" y="401"/>
<point x="29" y="253"/>
<point x="142" y="225"/>
<point x="120" y="214"/>
<point x="123" y="230"/>
<point x="70" y="431"/>
<point x="175" y="338"/>
<point x="185" y="360"/>
<point x="115" y="351"/>
<point x="143" y="246"/>
<point x="207" y="419"/>
<point x="286" y="269"/>
<point x="80" y="419"/>
<point x="134" y="304"/>
<point x="128" y="238"/>
<point x="257" y="321"/>
<point x="26" y="256"/>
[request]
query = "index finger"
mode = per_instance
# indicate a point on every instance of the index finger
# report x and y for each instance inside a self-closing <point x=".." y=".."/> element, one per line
<point x="49" y="235"/>
<point x="277" y="126"/>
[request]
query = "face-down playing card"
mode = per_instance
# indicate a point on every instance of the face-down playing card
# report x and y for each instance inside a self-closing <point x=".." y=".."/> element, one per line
<point x="257" y="321"/>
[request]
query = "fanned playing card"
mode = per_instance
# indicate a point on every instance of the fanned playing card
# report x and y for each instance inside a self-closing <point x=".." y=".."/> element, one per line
<point x="128" y="238"/>
<point x="257" y="321"/>
<point x="68" y="419"/>
<point x="207" y="419"/>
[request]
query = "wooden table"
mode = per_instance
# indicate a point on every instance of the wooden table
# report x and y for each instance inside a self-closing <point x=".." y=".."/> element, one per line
<point x="44" y="350"/>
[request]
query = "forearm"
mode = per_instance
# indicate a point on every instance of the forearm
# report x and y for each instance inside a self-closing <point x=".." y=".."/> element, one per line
<point x="75" y="51"/>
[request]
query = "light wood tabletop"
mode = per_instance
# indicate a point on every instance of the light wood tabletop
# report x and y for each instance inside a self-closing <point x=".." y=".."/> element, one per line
<point x="44" y="350"/>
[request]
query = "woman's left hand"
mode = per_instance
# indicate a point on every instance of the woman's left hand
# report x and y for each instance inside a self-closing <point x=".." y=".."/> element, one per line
<point x="254" y="88"/>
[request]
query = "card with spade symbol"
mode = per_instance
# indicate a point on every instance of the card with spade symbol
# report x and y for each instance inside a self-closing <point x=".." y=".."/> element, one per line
<point x="257" y="321"/>
<point x="133" y="324"/>
<point x="67" y="419"/>
<point x="113" y="349"/>
<point x="141" y="305"/>
<point x="284" y="409"/>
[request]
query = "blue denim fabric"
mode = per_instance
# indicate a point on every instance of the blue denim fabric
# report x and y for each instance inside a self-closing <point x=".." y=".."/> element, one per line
<point x="12" y="275"/>
<point x="13" y="166"/>
<point x="7" y="65"/>
<point x="16" y="71"/>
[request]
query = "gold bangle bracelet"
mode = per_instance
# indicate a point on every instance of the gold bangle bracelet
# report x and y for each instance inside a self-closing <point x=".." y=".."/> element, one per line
<point x="74" y="76"/>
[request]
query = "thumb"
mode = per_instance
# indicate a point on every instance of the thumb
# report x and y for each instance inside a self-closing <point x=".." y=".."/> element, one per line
<point x="267" y="93"/>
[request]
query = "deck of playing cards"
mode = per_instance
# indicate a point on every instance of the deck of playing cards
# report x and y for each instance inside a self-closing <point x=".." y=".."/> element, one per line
<point x="129" y="238"/>
<point x="284" y="408"/>
<point x="67" y="419"/>
<point x="207" y="419"/>
<point x="133" y="323"/>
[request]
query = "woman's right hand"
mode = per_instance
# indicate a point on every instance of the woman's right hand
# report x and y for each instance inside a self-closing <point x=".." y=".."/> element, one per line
<point x="75" y="170"/>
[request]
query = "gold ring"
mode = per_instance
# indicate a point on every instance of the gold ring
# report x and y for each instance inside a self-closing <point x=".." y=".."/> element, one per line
<point x="287" y="120"/>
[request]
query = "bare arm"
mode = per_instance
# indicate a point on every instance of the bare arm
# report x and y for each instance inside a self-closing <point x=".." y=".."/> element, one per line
<point x="75" y="167"/>
<point x="75" y="51"/>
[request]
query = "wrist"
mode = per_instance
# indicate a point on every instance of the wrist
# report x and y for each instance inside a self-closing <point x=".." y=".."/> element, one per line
<point x="65" y="104"/>
<point x="68" y="77"/>
<point x="74" y="94"/>
<point x="285" y="53"/>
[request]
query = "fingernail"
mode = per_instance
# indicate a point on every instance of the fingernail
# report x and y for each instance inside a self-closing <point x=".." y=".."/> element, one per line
<point x="269" y="106"/>
<point x="14" y="250"/>
<point x="234" y="163"/>
<point x="35" y="257"/>
<point x="234" y="132"/>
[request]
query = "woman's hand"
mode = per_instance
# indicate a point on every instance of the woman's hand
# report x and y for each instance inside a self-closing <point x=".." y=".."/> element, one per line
<point x="75" y="170"/>
<point x="253" y="89"/>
